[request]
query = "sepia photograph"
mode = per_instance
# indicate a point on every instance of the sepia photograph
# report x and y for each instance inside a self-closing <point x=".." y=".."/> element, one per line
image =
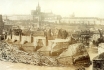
<point x="51" y="34"/>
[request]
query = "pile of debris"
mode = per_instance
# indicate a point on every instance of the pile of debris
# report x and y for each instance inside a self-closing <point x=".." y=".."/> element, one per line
<point x="13" y="54"/>
<point x="76" y="54"/>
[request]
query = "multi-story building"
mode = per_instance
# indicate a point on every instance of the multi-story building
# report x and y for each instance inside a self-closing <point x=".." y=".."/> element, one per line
<point x="17" y="17"/>
<point x="36" y="15"/>
<point x="45" y="17"/>
<point x="1" y="25"/>
<point x="82" y="20"/>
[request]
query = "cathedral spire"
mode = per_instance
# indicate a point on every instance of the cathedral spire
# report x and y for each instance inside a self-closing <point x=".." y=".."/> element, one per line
<point x="38" y="8"/>
<point x="38" y="3"/>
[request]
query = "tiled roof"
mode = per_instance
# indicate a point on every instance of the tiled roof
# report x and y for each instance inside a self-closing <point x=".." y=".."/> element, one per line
<point x="38" y="33"/>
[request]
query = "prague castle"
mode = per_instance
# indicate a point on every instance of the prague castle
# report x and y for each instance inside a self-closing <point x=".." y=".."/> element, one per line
<point x="50" y="17"/>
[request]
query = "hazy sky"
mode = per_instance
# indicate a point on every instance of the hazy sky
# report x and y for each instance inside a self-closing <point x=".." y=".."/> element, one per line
<point x="81" y="8"/>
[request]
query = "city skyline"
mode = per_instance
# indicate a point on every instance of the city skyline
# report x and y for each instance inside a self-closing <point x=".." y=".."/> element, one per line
<point x="89" y="8"/>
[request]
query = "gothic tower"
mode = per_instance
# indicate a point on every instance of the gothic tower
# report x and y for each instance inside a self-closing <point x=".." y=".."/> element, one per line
<point x="38" y="9"/>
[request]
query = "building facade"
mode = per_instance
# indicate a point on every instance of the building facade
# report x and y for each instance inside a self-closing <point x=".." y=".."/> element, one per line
<point x="1" y="25"/>
<point x="48" y="17"/>
<point x="82" y="20"/>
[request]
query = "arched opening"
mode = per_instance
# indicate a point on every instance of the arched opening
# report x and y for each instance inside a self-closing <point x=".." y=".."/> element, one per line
<point x="15" y="41"/>
<point x="25" y="42"/>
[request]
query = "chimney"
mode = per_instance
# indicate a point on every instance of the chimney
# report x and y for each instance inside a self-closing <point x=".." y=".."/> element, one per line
<point x="46" y="41"/>
<point x="1" y="18"/>
<point x="0" y="37"/>
<point x="31" y="38"/>
<point x="20" y="35"/>
<point x="6" y="35"/>
<point x="11" y="33"/>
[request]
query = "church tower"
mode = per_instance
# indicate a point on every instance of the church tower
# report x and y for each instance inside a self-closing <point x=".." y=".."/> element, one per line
<point x="38" y="9"/>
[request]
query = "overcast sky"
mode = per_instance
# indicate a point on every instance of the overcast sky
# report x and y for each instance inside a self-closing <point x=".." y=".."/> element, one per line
<point x="81" y="8"/>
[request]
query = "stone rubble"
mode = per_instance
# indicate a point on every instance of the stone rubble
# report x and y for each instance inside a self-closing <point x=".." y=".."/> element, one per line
<point x="13" y="54"/>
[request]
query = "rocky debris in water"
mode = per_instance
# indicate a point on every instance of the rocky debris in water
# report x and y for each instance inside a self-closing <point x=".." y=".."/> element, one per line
<point x="13" y="54"/>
